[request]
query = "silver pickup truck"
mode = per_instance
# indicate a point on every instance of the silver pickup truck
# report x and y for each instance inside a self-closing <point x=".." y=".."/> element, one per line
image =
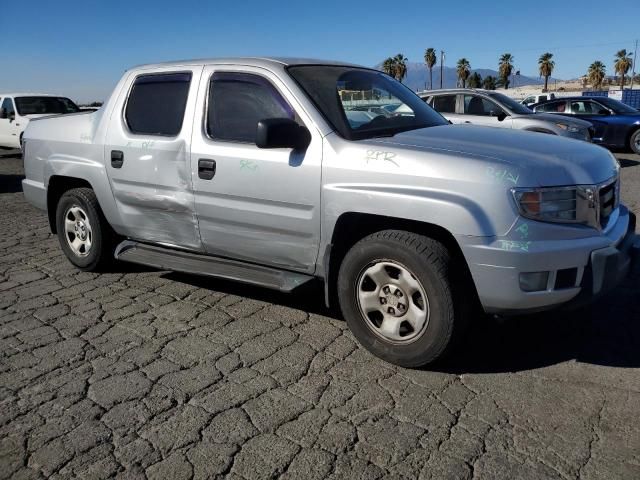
<point x="277" y="171"/>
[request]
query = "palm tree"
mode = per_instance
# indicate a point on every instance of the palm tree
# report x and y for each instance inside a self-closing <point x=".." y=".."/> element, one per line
<point x="622" y="65"/>
<point x="545" y="67"/>
<point x="463" y="69"/>
<point x="430" y="59"/>
<point x="389" y="67"/>
<point x="475" y="80"/>
<point x="505" y="67"/>
<point x="489" y="83"/>
<point x="400" y="65"/>
<point x="596" y="74"/>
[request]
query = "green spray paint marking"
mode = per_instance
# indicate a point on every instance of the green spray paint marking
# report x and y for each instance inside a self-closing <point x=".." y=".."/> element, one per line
<point x="248" y="165"/>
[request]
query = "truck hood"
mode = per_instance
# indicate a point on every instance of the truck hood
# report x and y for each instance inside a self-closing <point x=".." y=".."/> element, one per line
<point x="540" y="159"/>
<point x="553" y="118"/>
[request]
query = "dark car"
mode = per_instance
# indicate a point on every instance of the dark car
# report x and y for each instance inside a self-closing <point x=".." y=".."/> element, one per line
<point x="616" y="125"/>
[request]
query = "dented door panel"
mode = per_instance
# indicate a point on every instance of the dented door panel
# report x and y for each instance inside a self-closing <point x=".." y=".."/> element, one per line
<point x="152" y="187"/>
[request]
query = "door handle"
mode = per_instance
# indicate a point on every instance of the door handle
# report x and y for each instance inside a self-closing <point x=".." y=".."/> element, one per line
<point x="206" y="168"/>
<point x="117" y="158"/>
<point x="467" y="121"/>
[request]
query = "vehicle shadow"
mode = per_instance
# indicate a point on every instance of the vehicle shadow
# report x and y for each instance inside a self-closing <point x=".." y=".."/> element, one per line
<point x="606" y="333"/>
<point x="9" y="152"/>
<point x="10" y="183"/>
<point x="308" y="297"/>
<point x="627" y="162"/>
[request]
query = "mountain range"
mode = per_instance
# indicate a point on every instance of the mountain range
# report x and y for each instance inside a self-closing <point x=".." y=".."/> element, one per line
<point x="418" y="76"/>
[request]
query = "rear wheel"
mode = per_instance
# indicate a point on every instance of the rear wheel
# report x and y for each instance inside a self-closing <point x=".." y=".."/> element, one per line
<point x="85" y="236"/>
<point x="634" y="142"/>
<point x="395" y="292"/>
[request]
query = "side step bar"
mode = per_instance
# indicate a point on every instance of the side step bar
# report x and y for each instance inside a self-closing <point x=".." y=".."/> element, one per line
<point x="165" y="258"/>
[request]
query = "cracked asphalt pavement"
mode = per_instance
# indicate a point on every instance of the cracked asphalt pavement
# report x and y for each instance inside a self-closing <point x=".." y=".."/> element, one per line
<point x="139" y="373"/>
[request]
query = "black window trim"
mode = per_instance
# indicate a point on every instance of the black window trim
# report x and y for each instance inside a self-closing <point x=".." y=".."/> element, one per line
<point x="205" y="110"/>
<point x="126" y="102"/>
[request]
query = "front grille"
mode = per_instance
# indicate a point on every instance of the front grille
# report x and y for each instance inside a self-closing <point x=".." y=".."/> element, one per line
<point x="607" y="202"/>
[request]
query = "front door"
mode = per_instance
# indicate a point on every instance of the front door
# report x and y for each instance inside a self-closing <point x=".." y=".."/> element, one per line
<point x="257" y="205"/>
<point x="147" y="157"/>
<point x="9" y="125"/>
<point x="482" y="111"/>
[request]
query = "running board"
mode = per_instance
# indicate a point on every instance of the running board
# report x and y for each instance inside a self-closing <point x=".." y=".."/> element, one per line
<point x="165" y="258"/>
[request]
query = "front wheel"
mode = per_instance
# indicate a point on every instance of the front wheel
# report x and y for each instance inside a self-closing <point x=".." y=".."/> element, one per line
<point x="396" y="295"/>
<point x="85" y="236"/>
<point x="634" y="142"/>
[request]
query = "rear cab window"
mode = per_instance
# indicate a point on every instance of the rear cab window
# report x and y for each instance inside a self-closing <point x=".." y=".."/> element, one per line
<point x="157" y="103"/>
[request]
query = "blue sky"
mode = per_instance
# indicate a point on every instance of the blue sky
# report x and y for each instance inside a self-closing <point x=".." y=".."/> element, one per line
<point x="81" y="48"/>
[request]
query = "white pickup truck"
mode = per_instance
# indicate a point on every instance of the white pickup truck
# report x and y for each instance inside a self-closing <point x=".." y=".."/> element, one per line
<point x="533" y="99"/>
<point x="18" y="109"/>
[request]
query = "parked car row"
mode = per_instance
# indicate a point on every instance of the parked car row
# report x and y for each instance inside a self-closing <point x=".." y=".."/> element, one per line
<point x="616" y="125"/>
<point x="601" y="120"/>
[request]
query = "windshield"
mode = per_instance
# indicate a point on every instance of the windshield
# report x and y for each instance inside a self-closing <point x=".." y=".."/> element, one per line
<point x="45" y="105"/>
<point x="616" y="105"/>
<point x="361" y="103"/>
<point x="511" y="104"/>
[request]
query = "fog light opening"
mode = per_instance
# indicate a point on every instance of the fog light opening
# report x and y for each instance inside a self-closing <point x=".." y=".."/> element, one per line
<point x="534" y="281"/>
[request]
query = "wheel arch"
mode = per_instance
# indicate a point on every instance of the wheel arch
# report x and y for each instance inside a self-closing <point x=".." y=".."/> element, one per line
<point x="632" y="131"/>
<point x="58" y="185"/>
<point x="351" y="227"/>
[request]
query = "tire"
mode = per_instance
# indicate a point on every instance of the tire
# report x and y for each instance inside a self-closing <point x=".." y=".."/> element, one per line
<point x="634" y="142"/>
<point x="94" y="239"/>
<point x="389" y="255"/>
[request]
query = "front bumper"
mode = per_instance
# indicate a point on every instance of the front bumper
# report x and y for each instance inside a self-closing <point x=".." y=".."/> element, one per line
<point x="600" y="263"/>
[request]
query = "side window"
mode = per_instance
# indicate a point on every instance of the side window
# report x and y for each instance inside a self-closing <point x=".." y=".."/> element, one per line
<point x="542" y="98"/>
<point x="7" y="107"/>
<point x="157" y="102"/>
<point x="529" y="100"/>
<point x="445" y="103"/>
<point x="557" y="107"/>
<point x="238" y="101"/>
<point x="474" y="105"/>
<point x="582" y="107"/>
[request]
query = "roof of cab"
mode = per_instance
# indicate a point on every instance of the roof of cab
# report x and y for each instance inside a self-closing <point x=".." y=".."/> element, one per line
<point x="249" y="61"/>
<point x="30" y="94"/>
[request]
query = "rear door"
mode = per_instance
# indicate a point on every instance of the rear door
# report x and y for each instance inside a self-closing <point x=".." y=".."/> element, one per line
<point x="482" y="111"/>
<point x="147" y="151"/>
<point x="257" y="205"/>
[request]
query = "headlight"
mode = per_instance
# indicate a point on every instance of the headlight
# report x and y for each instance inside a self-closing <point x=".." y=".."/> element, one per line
<point x="548" y="204"/>
<point x="568" y="128"/>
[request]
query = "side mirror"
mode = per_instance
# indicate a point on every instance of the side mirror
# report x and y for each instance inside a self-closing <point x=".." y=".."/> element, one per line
<point x="501" y="115"/>
<point x="12" y="116"/>
<point x="604" y="111"/>
<point x="282" y="133"/>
